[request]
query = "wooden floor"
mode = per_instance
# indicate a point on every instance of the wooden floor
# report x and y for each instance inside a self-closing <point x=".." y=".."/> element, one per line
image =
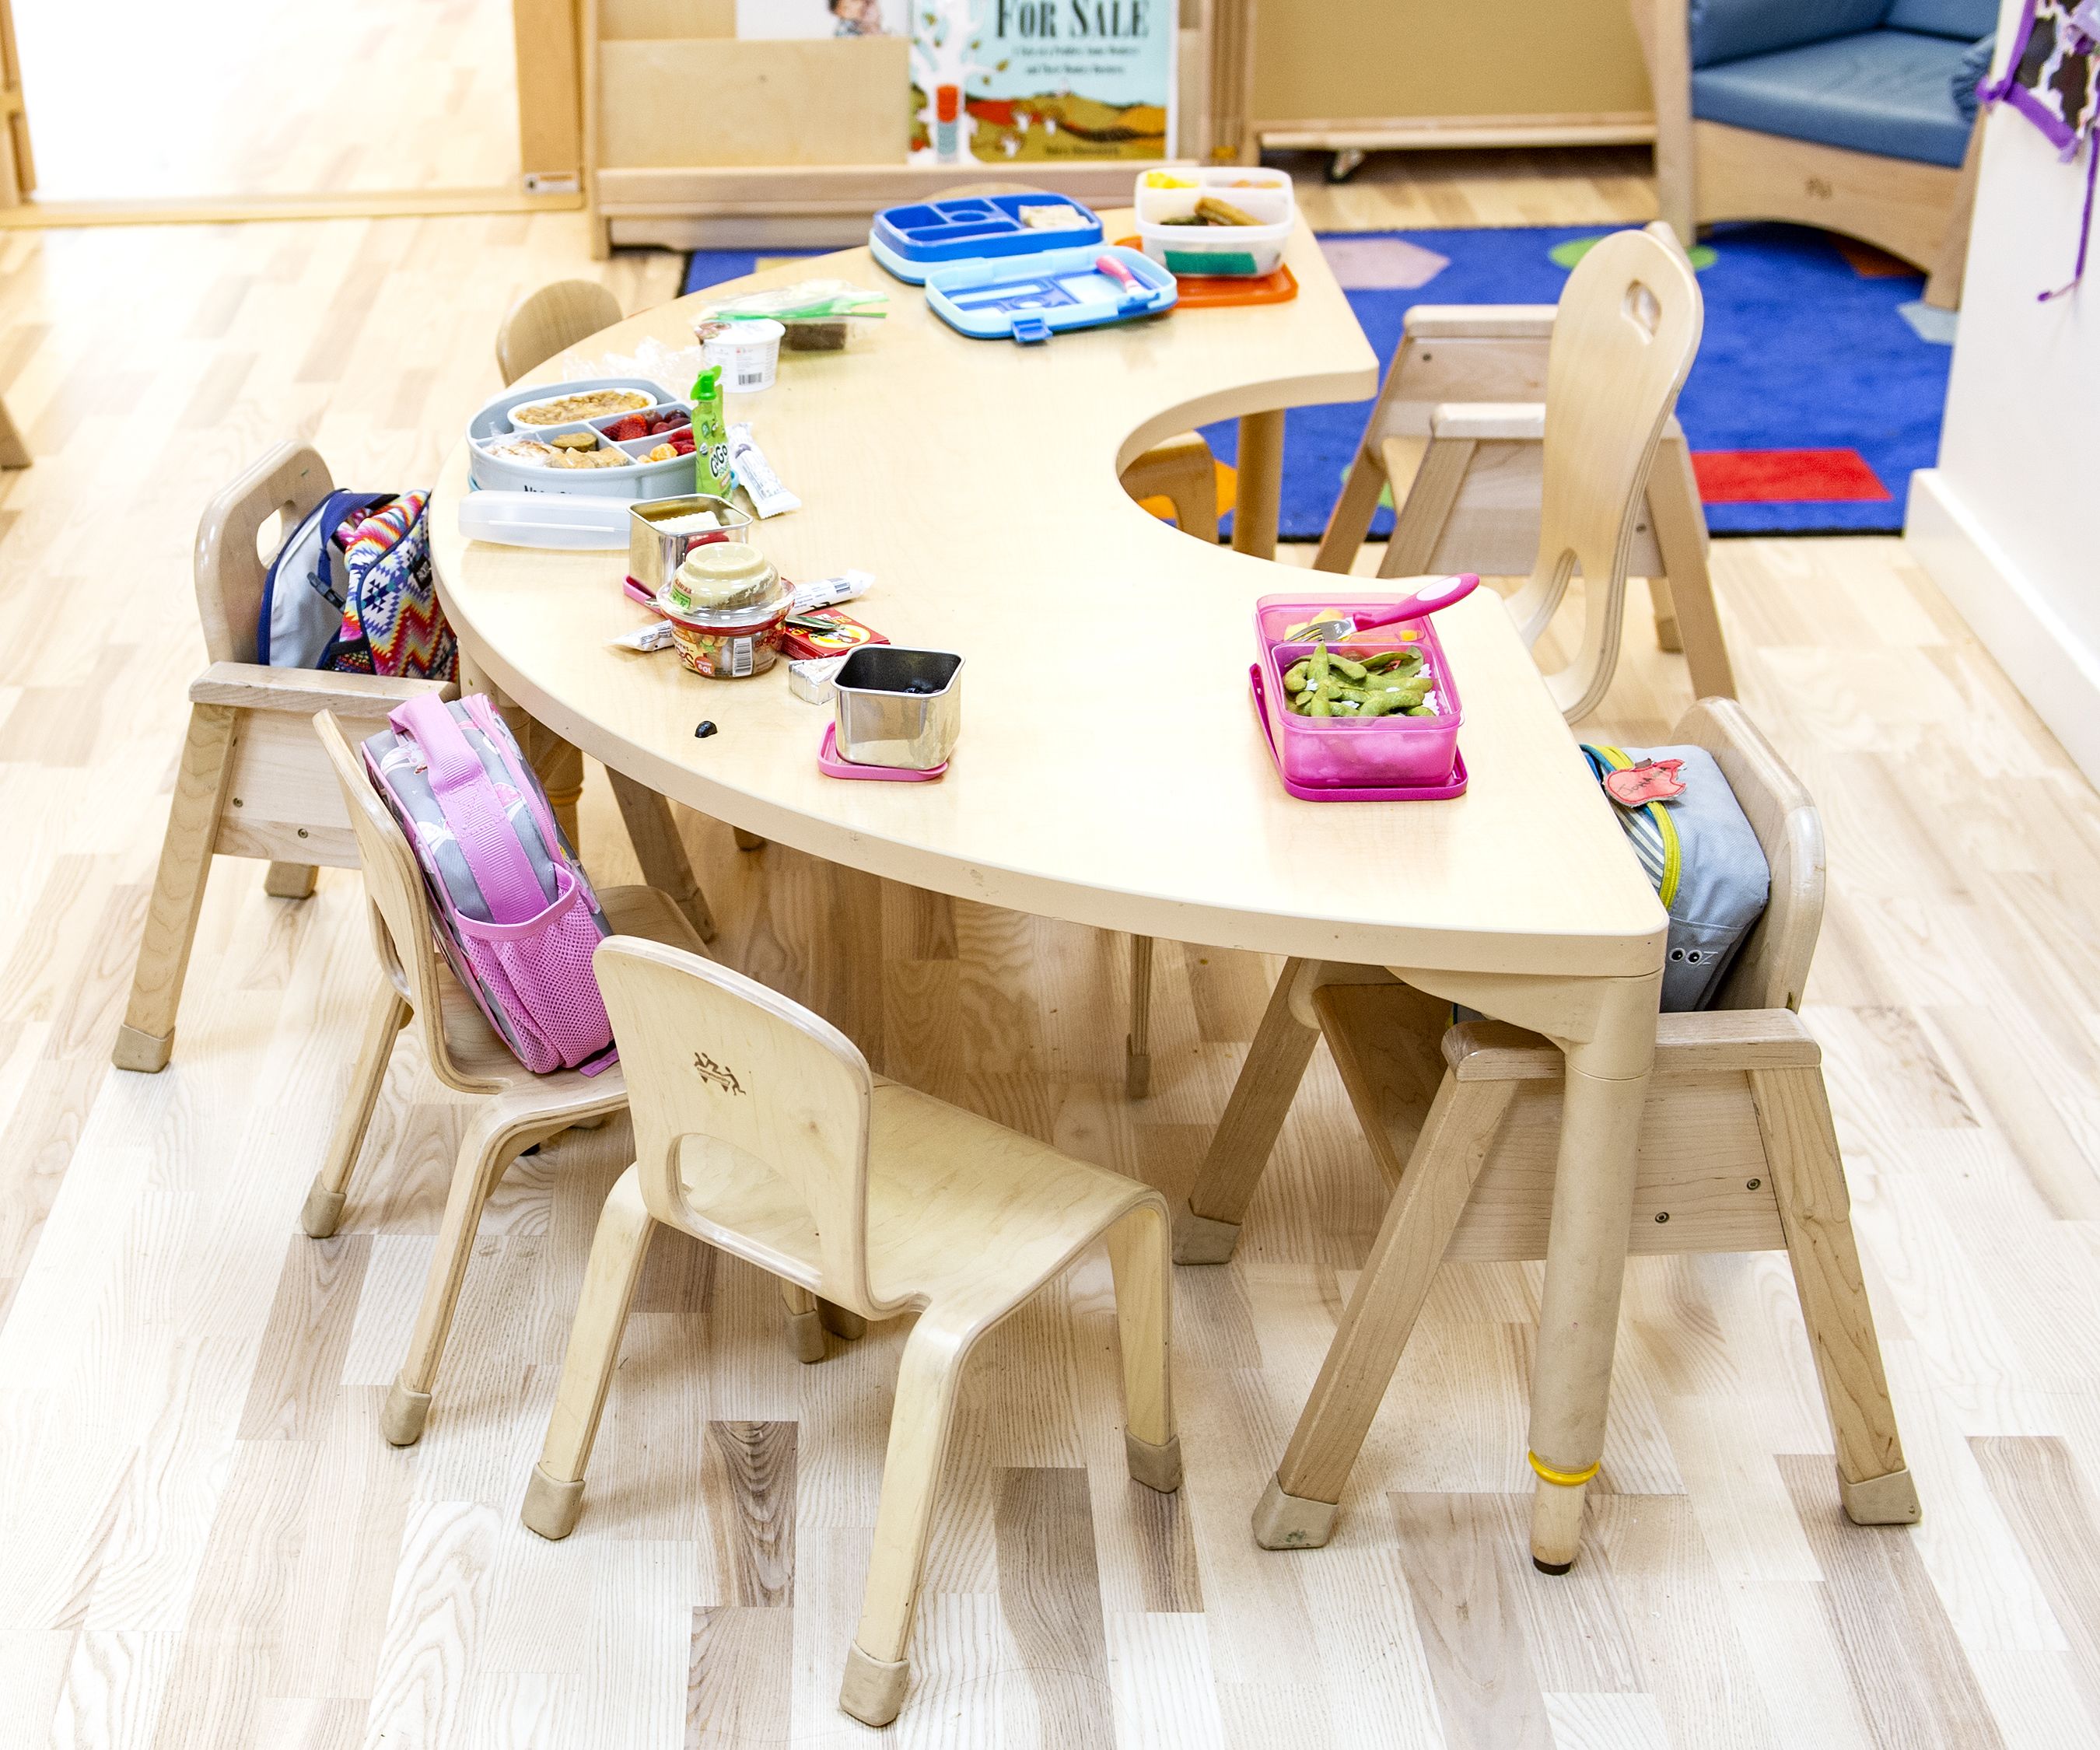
<point x="129" y="99"/>
<point x="204" y="1542"/>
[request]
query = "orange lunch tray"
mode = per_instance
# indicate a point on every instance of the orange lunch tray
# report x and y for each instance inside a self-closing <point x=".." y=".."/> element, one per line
<point x="1215" y="291"/>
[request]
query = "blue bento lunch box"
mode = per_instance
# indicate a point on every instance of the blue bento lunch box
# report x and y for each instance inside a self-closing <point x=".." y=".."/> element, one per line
<point x="910" y="241"/>
<point x="1033" y="298"/>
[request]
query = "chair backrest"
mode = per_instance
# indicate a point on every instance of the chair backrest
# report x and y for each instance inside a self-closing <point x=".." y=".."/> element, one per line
<point x="1771" y="967"/>
<point x="1623" y="343"/>
<point x="228" y="571"/>
<point x="402" y="932"/>
<point x="737" y="1096"/>
<point x="552" y="320"/>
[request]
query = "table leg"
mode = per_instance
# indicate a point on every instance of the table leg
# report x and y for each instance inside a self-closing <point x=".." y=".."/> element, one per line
<point x="1260" y="487"/>
<point x="1585" y="1260"/>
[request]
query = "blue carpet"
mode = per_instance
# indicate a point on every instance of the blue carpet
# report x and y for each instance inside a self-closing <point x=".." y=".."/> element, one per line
<point x="1801" y="352"/>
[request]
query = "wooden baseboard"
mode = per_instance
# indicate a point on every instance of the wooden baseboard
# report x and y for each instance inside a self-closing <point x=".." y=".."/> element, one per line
<point x="832" y="191"/>
<point x="2055" y="669"/>
<point x="224" y="210"/>
<point x="1891" y="203"/>
<point x="1447" y="133"/>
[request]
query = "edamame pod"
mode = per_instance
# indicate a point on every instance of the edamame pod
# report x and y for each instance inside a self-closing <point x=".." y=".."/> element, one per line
<point x="1295" y="681"/>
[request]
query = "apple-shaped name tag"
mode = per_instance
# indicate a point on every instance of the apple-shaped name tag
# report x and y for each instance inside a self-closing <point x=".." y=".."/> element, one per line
<point x="1651" y="780"/>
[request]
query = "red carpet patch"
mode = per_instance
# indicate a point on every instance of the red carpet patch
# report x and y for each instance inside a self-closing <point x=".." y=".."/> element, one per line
<point x="1768" y="477"/>
<point x="1871" y="263"/>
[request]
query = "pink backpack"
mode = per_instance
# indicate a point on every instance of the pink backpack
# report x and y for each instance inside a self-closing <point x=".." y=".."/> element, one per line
<point x="514" y="911"/>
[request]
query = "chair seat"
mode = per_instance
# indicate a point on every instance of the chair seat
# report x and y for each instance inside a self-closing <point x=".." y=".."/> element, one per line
<point x="1888" y="92"/>
<point x="478" y="1052"/>
<point x="935" y="1171"/>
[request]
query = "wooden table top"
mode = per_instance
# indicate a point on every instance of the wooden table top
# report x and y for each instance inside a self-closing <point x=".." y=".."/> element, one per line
<point x="1111" y="770"/>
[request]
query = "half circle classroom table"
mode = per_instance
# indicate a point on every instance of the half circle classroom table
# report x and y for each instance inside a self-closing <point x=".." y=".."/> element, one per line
<point x="1111" y="770"/>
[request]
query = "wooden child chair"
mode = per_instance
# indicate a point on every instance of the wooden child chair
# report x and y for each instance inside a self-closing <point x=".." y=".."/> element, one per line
<point x="517" y="1108"/>
<point x="1515" y="438"/>
<point x="1737" y="1153"/>
<point x="252" y="782"/>
<point x="758" y="1129"/>
<point x="551" y="320"/>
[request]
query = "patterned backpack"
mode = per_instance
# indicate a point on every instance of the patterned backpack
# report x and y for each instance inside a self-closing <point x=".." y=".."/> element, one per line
<point x="514" y="911"/>
<point x="352" y="590"/>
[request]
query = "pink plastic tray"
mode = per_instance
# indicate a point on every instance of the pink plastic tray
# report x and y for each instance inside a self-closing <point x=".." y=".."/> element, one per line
<point x="829" y="763"/>
<point x="1411" y="754"/>
<point x="1454" y="783"/>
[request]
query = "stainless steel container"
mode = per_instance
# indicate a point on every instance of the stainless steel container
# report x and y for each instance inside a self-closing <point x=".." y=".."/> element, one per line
<point x="898" y="708"/>
<point x="655" y="552"/>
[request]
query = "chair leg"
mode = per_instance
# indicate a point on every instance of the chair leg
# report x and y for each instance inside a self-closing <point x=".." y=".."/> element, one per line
<point x="877" y="1669"/>
<point x="1669" y="634"/>
<point x="1137" y="1042"/>
<point x="1419" y="519"/>
<point x="1680" y="534"/>
<point x="805" y="1328"/>
<point x="148" y="1034"/>
<point x="653" y="832"/>
<point x="1207" y="1226"/>
<point x="1297" y="1510"/>
<point x="1815" y="1208"/>
<point x="489" y="1146"/>
<point x="14" y="452"/>
<point x="1596" y="1170"/>
<point x="554" y="1496"/>
<point x="559" y="766"/>
<point x="1260" y="484"/>
<point x="1138" y="1258"/>
<point x="388" y="1015"/>
<point x="840" y="1321"/>
<point x="1351" y="523"/>
<point x="290" y="880"/>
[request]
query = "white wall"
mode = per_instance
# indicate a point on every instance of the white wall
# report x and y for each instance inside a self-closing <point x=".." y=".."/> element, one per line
<point x="2009" y="522"/>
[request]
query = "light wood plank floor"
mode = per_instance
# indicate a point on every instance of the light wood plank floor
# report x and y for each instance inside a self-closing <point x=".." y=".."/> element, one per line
<point x="204" y="1541"/>
<point x="133" y="100"/>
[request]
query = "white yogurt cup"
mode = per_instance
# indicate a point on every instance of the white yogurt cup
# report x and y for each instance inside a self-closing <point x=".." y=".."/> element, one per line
<point x="748" y="354"/>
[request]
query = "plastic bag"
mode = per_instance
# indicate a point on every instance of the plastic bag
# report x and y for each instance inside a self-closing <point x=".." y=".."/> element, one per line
<point x="665" y="366"/>
<point x="806" y="301"/>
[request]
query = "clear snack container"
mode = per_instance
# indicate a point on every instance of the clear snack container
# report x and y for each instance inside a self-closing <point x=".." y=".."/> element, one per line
<point x="1356" y="752"/>
<point x="1215" y="250"/>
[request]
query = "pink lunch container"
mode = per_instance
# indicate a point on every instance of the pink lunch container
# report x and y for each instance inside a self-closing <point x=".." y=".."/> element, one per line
<point x="1390" y="752"/>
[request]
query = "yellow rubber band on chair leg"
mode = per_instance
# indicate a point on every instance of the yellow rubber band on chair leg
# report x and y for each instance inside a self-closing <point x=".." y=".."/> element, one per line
<point x="1565" y="1479"/>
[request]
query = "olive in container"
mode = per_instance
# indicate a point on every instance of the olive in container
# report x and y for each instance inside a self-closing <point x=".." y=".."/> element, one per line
<point x="898" y="708"/>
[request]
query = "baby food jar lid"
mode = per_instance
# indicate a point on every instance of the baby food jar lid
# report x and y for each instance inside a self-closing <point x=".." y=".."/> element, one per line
<point x="721" y="574"/>
<point x="767" y="607"/>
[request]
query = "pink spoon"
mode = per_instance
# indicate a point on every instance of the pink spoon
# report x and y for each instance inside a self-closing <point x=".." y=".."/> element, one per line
<point x="1419" y="605"/>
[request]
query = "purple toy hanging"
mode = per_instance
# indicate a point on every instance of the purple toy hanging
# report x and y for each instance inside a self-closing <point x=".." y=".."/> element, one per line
<point x="2053" y="78"/>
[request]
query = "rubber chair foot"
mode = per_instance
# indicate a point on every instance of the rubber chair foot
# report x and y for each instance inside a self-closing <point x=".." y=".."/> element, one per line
<point x="322" y="1213"/>
<point x="873" y="1689"/>
<point x="142" y="1052"/>
<point x="1198" y="1240"/>
<point x="1291" y="1521"/>
<point x="552" y="1506"/>
<point x="1157" y="1467"/>
<point x="805" y="1336"/>
<point x="1888" y="1500"/>
<point x="402" y="1420"/>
